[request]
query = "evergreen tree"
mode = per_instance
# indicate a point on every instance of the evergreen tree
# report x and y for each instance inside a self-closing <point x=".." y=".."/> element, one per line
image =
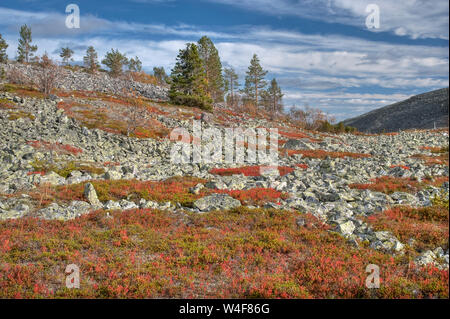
<point x="213" y="68"/>
<point x="3" y="47"/>
<point x="272" y="98"/>
<point x="231" y="84"/>
<point x="254" y="81"/>
<point x="188" y="80"/>
<point x="25" y="50"/>
<point x="66" y="54"/>
<point x="115" y="61"/>
<point x="135" y="65"/>
<point x="91" y="60"/>
<point x="160" y="74"/>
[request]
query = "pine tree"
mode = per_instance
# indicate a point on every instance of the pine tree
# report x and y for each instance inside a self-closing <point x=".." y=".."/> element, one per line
<point x="213" y="68"/>
<point x="115" y="61"/>
<point x="272" y="98"/>
<point x="25" y="50"/>
<point x="160" y="74"/>
<point x="135" y="65"/>
<point x="254" y="81"/>
<point x="188" y="80"/>
<point x="3" y="47"/>
<point x="91" y="60"/>
<point x="66" y="54"/>
<point x="231" y="84"/>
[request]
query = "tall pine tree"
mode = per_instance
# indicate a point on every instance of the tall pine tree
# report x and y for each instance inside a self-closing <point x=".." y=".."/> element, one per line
<point x="231" y="84"/>
<point x="66" y="54"/>
<point x="91" y="60"/>
<point x="3" y="47"/>
<point x="213" y="68"/>
<point x="25" y="50"/>
<point x="115" y="61"/>
<point x="254" y="81"/>
<point x="272" y="98"/>
<point x="188" y="85"/>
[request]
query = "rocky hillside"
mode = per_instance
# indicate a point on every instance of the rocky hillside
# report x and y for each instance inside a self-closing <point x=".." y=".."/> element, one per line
<point x="422" y="111"/>
<point x="82" y="178"/>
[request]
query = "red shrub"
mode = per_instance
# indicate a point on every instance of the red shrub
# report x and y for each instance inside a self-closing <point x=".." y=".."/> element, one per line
<point x="390" y="184"/>
<point x="323" y="154"/>
<point x="255" y="196"/>
<point x="57" y="147"/>
<point x="248" y="170"/>
<point x="402" y="166"/>
<point x="428" y="226"/>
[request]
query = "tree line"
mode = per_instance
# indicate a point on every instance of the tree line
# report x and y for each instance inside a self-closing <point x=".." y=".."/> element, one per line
<point x="114" y="59"/>
<point x="198" y="79"/>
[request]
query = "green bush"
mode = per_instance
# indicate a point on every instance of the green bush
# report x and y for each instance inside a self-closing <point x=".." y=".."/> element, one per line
<point x="191" y="100"/>
<point x="338" y="128"/>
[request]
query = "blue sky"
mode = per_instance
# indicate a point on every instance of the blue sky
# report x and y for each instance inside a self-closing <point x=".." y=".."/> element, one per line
<point x="320" y="51"/>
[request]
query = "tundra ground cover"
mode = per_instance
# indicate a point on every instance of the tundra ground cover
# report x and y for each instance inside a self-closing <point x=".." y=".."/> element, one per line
<point x="57" y="147"/>
<point x="424" y="227"/>
<point x="174" y="190"/>
<point x="22" y="90"/>
<point x="390" y="184"/>
<point x="116" y="121"/>
<point x="322" y="154"/>
<point x="255" y="196"/>
<point x="439" y="157"/>
<point x="64" y="168"/>
<point x="242" y="253"/>
<point x="249" y="170"/>
<point x="6" y="104"/>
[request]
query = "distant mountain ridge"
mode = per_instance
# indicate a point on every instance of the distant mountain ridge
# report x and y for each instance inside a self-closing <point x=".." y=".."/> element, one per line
<point x="421" y="111"/>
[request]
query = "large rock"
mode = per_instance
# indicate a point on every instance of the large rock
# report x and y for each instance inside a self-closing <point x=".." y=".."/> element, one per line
<point x="52" y="178"/>
<point x="113" y="175"/>
<point x="294" y="144"/>
<point x="91" y="195"/>
<point x="346" y="228"/>
<point x="216" y="202"/>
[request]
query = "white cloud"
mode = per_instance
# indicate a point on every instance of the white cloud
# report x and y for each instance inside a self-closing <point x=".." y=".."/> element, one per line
<point x="306" y="63"/>
<point x="414" y="18"/>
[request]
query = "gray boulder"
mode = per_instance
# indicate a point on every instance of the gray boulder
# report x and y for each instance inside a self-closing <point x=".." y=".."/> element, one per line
<point x="216" y="202"/>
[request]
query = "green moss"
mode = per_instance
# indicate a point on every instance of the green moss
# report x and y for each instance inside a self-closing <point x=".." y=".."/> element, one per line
<point x="6" y="104"/>
<point x="440" y="201"/>
<point x="15" y="115"/>
<point x="64" y="169"/>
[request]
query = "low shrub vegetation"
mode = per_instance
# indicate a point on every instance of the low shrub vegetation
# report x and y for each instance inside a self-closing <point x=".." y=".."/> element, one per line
<point x="242" y="253"/>
<point x="250" y="170"/>
<point x="424" y="227"/>
<point x="322" y="154"/>
<point x="390" y="184"/>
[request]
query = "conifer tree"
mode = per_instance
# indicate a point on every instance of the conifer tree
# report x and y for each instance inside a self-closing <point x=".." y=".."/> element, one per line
<point x="254" y="81"/>
<point x="135" y="65"/>
<point x="213" y="68"/>
<point x="25" y="50"/>
<point x="272" y="98"/>
<point x="115" y="61"/>
<point x="3" y="47"/>
<point x="91" y="60"/>
<point x="160" y="74"/>
<point x="188" y="81"/>
<point x="231" y="84"/>
<point x="66" y="54"/>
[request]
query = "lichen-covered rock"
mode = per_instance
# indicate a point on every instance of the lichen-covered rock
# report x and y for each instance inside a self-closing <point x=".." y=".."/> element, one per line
<point x="91" y="195"/>
<point x="216" y="202"/>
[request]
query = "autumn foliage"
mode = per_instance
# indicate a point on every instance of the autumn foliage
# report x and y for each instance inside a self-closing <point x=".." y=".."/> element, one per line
<point x="390" y="184"/>
<point x="241" y="253"/>
<point x="249" y="170"/>
<point x="322" y="154"/>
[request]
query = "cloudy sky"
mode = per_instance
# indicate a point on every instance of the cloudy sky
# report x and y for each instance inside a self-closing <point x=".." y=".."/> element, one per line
<point x="321" y="51"/>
